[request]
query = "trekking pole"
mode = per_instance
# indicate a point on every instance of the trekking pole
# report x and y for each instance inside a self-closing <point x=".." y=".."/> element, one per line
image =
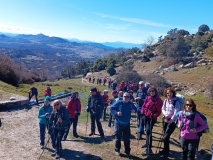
<point x="45" y="145"/>
<point x="86" y="125"/>
<point x="150" y="134"/>
<point x="160" y="141"/>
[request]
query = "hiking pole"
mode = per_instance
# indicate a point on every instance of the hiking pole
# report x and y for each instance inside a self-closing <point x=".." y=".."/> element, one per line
<point x="150" y="134"/>
<point x="86" y="124"/>
<point x="46" y="144"/>
<point x="160" y="141"/>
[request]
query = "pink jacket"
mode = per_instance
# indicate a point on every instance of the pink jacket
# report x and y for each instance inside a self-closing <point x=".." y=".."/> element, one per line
<point x="152" y="107"/>
<point x="185" y="130"/>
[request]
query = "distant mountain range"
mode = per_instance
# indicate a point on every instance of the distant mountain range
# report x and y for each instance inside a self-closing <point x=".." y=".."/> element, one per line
<point x="107" y="45"/>
<point x="40" y="52"/>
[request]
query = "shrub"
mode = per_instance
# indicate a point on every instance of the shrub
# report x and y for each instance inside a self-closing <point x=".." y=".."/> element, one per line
<point x="129" y="76"/>
<point x="158" y="81"/>
<point x="168" y="62"/>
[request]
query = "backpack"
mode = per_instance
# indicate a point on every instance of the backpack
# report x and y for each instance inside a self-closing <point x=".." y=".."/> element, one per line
<point x="191" y="125"/>
<point x="180" y="99"/>
<point x="204" y="119"/>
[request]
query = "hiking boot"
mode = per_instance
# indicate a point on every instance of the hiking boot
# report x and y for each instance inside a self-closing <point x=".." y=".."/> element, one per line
<point x="57" y="156"/>
<point x="147" y="152"/>
<point x="117" y="153"/>
<point x="76" y="136"/>
<point x="144" y="145"/>
<point x="163" y="153"/>
<point x="91" y="134"/>
<point x="129" y="156"/>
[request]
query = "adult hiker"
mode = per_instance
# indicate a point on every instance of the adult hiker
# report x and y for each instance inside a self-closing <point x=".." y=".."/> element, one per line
<point x="114" y="85"/>
<point x="121" y="86"/>
<point x="33" y="92"/>
<point x="47" y="91"/>
<point x="121" y="110"/>
<point x="60" y="118"/>
<point x="74" y="109"/>
<point x="190" y="123"/>
<point x="106" y="102"/>
<point x="140" y="98"/>
<point x="95" y="106"/>
<point x="169" y="109"/>
<point x="151" y="109"/>
<point x="44" y="113"/>
<point x="114" y="94"/>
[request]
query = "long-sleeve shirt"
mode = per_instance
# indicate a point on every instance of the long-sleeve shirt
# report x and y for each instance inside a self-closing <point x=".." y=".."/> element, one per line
<point x="125" y="108"/>
<point x="170" y="108"/>
<point x="185" y="129"/>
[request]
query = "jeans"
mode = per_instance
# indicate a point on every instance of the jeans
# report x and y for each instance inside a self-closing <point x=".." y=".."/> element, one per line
<point x="189" y="148"/>
<point x="168" y="129"/>
<point x="119" y="130"/>
<point x="140" y="121"/>
<point x="149" y="123"/>
<point x="50" y="132"/>
<point x="96" y="118"/>
<point x="73" y="121"/>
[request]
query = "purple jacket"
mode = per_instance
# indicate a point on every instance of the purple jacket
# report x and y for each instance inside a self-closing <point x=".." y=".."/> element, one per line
<point x="185" y="130"/>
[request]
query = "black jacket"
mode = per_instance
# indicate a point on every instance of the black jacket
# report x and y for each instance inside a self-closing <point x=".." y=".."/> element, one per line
<point x="95" y="104"/>
<point x="64" y="114"/>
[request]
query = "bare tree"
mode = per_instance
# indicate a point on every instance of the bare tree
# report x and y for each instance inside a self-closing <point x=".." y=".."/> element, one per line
<point x="148" y="42"/>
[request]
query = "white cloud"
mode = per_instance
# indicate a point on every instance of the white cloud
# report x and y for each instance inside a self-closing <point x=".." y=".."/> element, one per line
<point x="134" y="20"/>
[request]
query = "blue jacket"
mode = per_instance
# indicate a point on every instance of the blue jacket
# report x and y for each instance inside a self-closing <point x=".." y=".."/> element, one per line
<point x="125" y="108"/>
<point x="142" y="95"/>
<point x="41" y="114"/>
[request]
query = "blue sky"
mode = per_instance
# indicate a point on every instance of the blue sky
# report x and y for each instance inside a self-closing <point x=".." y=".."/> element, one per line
<point x="104" y="20"/>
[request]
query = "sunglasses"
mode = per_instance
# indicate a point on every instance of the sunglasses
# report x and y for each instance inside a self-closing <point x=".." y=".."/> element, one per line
<point x="152" y="91"/>
<point x="57" y="104"/>
<point x="190" y="105"/>
<point x="126" y="96"/>
<point x="169" y="93"/>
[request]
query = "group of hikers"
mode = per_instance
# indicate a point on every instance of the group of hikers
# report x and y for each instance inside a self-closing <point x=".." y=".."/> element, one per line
<point x="34" y="92"/>
<point x="147" y="105"/>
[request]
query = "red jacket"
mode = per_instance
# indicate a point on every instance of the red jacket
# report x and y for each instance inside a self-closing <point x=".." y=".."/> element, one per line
<point x="121" y="86"/>
<point x="152" y="107"/>
<point x="71" y="107"/>
<point x="106" y="98"/>
<point x="47" y="92"/>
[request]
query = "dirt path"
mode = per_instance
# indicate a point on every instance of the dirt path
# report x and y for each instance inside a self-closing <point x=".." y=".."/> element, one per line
<point x="20" y="140"/>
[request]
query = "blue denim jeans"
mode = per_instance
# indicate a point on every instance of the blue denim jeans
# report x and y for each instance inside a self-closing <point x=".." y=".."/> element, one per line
<point x="189" y="148"/>
<point x="50" y="132"/>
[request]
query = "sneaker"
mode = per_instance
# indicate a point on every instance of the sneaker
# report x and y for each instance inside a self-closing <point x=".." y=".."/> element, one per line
<point x="108" y="126"/>
<point x="41" y="146"/>
<point x="117" y="153"/>
<point x="144" y="145"/>
<point x="53" y="154"/>
<point x="129" y="156"/>
<point x="147" y="152"/>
